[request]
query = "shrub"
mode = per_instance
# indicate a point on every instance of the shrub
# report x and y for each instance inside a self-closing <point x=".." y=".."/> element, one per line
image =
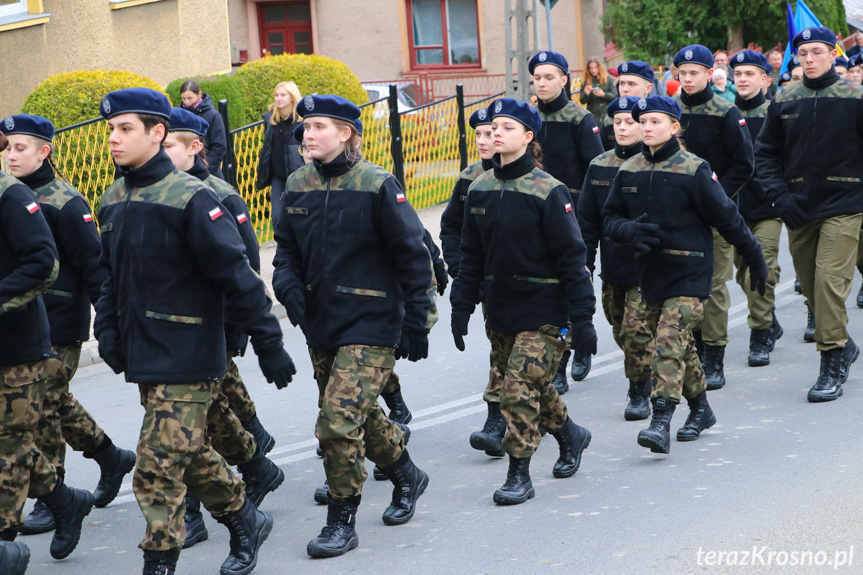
<point x="73" y="97"/>
<point x="219" y="88"/>
<point x="311" y="74"/>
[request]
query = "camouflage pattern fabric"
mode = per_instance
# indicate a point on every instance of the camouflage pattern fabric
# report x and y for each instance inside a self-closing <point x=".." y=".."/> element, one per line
<point x="626" y="329"/>
<point x="714" y="328"/>
<point x="57" y="193"/>
<point x="681" y="162"/>
<point x="351" y="425"/>
<point x="63" y="420"/>
<point x="799" y="91"/>
<point x="363" y="176"/>
<point x="501" y="347"/>
<point x="767" y="232"/>
<point x="534" y="183"/>
<point x="19" y="301"/>
<point x="174" y="452"/>
<point x="24" y="471"/>
<point x="237" y="393"/>
<point x="174" y="190"/>
<point x="529" y="402"/>
<point x="393" y="384"/>
<point x="571" y="112"/>
<point x="227" y="434"/>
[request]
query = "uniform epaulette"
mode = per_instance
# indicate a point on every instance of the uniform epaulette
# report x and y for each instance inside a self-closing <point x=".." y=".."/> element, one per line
<point x="572" y="112"/>
<point x="364" y="176"/>
<point x="57" y="193"/>
<point x="608" y="159"/>
<point x="6" y="181"/>
<point x="472" y="172"/>
<point x="221" y="188"/>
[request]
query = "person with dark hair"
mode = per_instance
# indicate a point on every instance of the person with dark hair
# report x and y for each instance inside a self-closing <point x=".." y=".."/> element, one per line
<point x="521" y="245"/>
<point x="636" y="80"/>
<point x="216" y="141"/>
<point x="175" y="261"/>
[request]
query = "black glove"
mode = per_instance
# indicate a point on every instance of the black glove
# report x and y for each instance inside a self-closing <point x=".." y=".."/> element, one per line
<point x="583" y="339"/>
<point x="414" y="346"/>
<point x="440" y="275"/>
<point x="277" y="366"/>
<point x="790" y="211"/>
<point x="295" y="305"/>
<point x="757" y="273"/>
<point x="111" y="351"/>
<point x="641" y="235"/>
<point x="453" y="269"/>
<point x="459" y="323"/>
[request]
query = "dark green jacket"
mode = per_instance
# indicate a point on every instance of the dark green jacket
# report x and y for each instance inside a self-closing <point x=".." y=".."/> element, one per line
<point x="597" y="105"/>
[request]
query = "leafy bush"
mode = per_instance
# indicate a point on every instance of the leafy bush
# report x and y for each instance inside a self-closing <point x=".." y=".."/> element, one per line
<point x="219" y="88"/>
<point x="73" y="97"/>
<point x="310" y="73"/>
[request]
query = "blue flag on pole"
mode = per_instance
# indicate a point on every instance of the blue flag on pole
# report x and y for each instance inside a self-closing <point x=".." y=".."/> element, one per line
<point x="803" y="18"/>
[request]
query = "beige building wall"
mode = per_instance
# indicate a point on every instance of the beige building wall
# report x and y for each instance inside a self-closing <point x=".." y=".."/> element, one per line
<point x="162" y="40"/>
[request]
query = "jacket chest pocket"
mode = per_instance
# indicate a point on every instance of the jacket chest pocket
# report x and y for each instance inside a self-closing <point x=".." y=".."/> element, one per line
<point x="351" y="221"/>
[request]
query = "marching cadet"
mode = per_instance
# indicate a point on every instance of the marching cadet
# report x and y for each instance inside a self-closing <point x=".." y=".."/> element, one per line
<point x="227" y="429"/>
<point x="855" y="71"/>
<point x="664" y="202"/>
<point x="352" y="271"/>
<point x="750" y="77"/>
<point x="29" y="157"/>
<point x="840" y="64"/>
<point x="570" y="141"/>
<point x="794" y="69"/>
<point x="619" y="274"/>
<point x="635" y="79"/>
<point x="28" y="266"/>
<point x="521" y="245"/>
<point x="713" y="129"/>
<point x="175" y="262"/>
<point x="817" y="188"/>
<point x="489" y="437"/>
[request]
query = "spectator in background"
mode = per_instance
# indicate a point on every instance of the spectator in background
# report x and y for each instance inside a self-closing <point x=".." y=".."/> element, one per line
<point x="720" y="62"/>
<point x="216" y="143"/>
<point x="662" y="82"/>
<point x="721" y="86"/>
<point x="598" y="89"/>
<point x="775" y="57"/>
<point x="858" y="45"/>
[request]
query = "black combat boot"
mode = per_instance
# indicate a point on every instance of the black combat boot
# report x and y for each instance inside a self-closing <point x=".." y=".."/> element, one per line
<point x="759" y="347"/>
<point x="776" y="330"/>
<point x="492" y="433"/>
<point x="714" y="375"/>
<point x="700" y="418"/>
<point x="263" y="439"/>
<point x="860" y="293"/>
<point x="322" y="493"/>
<point x="809" y="332"/>
<point x="580" y="367"/>
<point x="115" y="463"/>
<point x="559" y="382"/>
<point x="14" y="558"/>
<point x="850" y="353"/>
<point x="572" y="440"/>
<point x="261" y="476"/>
<point x="797" y="287"/>
<point x="639" y="400"/>
<point x="339" y="534"/>
<point x="518" y="487"/>
<point x="409" y="482"/>
<point x="69" y="506"/>
<point x="249" y="528"/>
<point x="657" y="437"/>
<point x="699" y="345"/>
<point x="196" y="531"/>
<point x="828" y="387"/>
<point x="399" y="411"/>
<point x="319" y="451"/>
<point x="378" y="474"/>
<point x="161" y="562"/>
<point x="39" y="521"/>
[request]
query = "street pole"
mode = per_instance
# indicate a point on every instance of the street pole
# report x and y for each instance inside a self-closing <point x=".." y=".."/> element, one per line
<point x="522" y="47"/>
<point x="548" y="24"/>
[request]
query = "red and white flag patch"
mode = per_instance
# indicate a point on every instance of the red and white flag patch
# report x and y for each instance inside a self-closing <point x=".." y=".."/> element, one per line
<point x="241" y="218"/>
<point x="400" y="197"/>
<point x="715" y="177"/>
<point x="742" y="121"/>
<point x="595" y="130"/>
<point x="568" y="207"/>
<point x="215" y="213"/>
<point x="32" y="207"/>
<point x="87" y="217"/>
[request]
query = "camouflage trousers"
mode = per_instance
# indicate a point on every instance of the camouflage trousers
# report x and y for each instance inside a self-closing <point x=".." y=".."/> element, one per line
<point x="714" y="324"/>
<point x="175" y="453"/>
<point x="351" y="424"/>
<point x="227" y="434"/>
<point x="767" y="232"/>
<point x="529" y="402"/>
<point x="626" y="328"/>
<point x="237" y="393"/>
<point x="63" y="420"/>
<point x="675" y="366"/>
<point x="24" y="471"/>
<point x="497" y="356"/>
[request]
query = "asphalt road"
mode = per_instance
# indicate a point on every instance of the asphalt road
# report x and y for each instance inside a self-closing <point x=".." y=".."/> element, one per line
<point x="776" y="474"/>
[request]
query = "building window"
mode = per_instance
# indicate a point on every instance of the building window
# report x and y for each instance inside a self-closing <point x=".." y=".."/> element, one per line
<point x="15" y="14"/>
<point x="12" y="7"/>
<point x="443" y="33"/>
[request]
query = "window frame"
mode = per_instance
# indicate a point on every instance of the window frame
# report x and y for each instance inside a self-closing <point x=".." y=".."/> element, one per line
<point x="33" y="15"/>
<point x="20" y="7"/>
<point x="414" y="66"/>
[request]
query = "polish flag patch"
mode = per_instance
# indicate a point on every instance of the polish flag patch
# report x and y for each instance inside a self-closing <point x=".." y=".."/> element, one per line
<point x="742" y="121"/>
<point x="595" y="130"/>
<point x="32" y="207"/>
<point x="715" y="177"/>
<point x="568" y="207"/>
<point x="400" y="197"/>
<point x="241" y="218"/>
<point x="215" y="213"/>
<point x="87" y="217"/>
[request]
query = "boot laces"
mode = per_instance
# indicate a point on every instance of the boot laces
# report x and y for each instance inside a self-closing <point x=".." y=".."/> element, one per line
<point x="239" y="536"/>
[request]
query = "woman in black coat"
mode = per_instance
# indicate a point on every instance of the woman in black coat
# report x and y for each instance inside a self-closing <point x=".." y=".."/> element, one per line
<point x="217" y="141"/>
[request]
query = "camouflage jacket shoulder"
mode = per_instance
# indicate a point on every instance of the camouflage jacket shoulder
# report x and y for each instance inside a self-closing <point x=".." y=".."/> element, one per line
<point x="572" y="113"/>
<point x="6" y="181"/>
<point x="363" y="177"/>
<point x="715" y="106"/>
<point x="174" y="190"/>
<point x="57" y="193"/>
<point x="472" y="172"/>
<point x="799" y="91"/>
<point x="759" y="112"/>
<point x="220" y="187"/>
<point x="534" y="183"/>
<point x="607" y="160"/>
<point x="681" y="162"/>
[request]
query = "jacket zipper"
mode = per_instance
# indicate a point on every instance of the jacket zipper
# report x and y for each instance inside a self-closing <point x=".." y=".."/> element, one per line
<point x="128" y="273"/>
<point x="324" y="292"/>
<point x="498" y="239"/>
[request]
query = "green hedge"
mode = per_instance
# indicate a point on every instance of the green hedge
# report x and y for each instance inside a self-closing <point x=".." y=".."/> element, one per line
<point x="73" y="97"/>
<point x="312" y="74"/>
<point x="219" y="88"/>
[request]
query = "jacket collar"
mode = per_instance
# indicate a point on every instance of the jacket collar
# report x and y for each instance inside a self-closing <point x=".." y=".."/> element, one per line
<point x="825" y="81"/>
<point x="628" y="152"/>
<point x="156" y="169"/>
<point x="486" y="165"/>
<point x="198" y="169"/>
<point x="513" y="170"/>
<point x="335" y="168"/>
<point x="670" y="148"/>
<point x="697" y="98"/>
<point x="43" y="176"/>
<point x="557" y="104"/>
<point x="752" y="103"/>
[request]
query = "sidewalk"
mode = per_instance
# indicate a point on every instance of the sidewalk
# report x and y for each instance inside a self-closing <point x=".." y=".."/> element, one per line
<point x="430" y="218"/>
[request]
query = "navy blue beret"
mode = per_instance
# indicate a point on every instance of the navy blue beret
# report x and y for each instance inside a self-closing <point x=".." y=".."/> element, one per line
<point x="135" y="101"/>
<point x="854" y="60"/>
<point x="518" y="111"/>
<point x="622" y="104"/>
<point x="794" y="62"/>
<point x="750" y="58"/>
<point x="662" y="104"/>
<point x="840" y="61"/>
<point x="695" y="54"/>
<point x="784" y="78"/>
<point x="186" y="121"/>
<point x="328" y="106"/>
<point x="636" y="68"/>
<point x="552" y="58"/>
<point x="358" y="124"/>
<point x="299" y="131"/>
<point x="820" y="34"/>
<point x="480" y="118"/>
<point x="28" y="125"/>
